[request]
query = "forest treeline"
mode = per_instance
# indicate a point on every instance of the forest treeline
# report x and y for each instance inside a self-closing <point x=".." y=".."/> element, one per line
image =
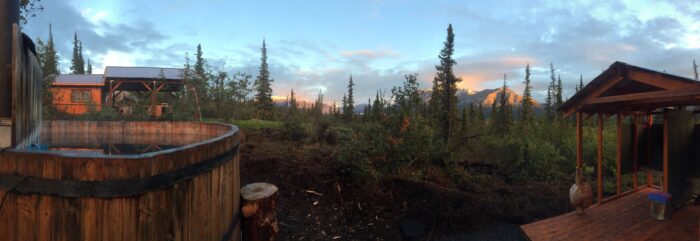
<point x="398" y="133"/>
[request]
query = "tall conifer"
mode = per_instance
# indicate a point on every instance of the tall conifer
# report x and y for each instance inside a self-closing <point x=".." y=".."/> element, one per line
<point x="263" y="88"/>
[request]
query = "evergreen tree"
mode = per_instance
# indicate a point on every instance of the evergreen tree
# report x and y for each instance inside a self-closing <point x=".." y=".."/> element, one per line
<point x="77" y="64"/>
<point x="263" y="88"/>
<point x="407" y="97"/>
<point x="50" y="60"/>
<point x="558" y="99"/>
<point x="504" y="110"/>
<point x="526" y="106"/>
<point x="465" y="121"/>
<point x="292" y="102"/>
<point x="82" y="58"/>
<point x="199" y="75"/>
<point x="318" y="105"/>
<point x="378" y="108"/>
<point x="579" y="87"/>
<point x="446" y="79"/>
<point x="435" y="102"/>
<point x="550" y="99"/>
<point x="89" y="67"/>
<point x="349" y="103"/>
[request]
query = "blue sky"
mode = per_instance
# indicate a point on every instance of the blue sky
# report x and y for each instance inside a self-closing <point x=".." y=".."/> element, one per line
<point x="316" y="45"/>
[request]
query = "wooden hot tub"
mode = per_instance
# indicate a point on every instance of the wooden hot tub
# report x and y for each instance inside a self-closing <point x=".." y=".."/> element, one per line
<point x="189" y="191"/>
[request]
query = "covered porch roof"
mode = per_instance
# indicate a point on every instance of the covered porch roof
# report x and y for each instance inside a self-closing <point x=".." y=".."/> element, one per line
<point x="628" y="88"/>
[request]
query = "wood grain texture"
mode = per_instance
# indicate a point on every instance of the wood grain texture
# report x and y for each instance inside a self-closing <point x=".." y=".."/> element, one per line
<point x="626" y="218"/>
<point x="199" y="208"/>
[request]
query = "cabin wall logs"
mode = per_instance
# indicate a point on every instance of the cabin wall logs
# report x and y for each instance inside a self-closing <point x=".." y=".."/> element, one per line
<point x="202" y="207"/>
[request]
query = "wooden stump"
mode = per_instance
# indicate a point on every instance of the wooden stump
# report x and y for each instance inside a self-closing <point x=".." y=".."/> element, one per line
<point x="259" y="211"/>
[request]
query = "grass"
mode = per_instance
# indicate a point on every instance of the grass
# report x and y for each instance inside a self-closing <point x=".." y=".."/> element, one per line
<point x="255" y="124"/>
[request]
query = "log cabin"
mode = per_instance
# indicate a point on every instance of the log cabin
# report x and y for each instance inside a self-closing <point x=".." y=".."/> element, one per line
<point x="77" y="94"/>
<point x="657" y="150"/>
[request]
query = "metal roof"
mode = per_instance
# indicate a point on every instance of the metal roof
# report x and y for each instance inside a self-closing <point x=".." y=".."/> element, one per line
<point x="79" y="79"/>
<point x="120" y="72"/>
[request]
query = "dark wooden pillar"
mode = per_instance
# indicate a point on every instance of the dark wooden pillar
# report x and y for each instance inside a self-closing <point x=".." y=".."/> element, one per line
<point x="651" y="122"/>
<point x="599" y="169"/>
<point x="635" y="151"/>
<point x="665" y="177"/>
<point x="579" y="140"/>
<point x="618" y="172"/>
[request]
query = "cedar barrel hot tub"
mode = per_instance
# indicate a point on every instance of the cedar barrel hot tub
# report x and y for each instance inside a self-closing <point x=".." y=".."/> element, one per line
<point x="117" y="180"/>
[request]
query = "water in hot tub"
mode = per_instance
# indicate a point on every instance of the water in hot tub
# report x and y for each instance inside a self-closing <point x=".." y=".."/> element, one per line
<point x="115" y="144"/>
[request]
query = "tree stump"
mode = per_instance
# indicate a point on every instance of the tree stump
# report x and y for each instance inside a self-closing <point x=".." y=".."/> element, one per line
<point x="259" y="211"/>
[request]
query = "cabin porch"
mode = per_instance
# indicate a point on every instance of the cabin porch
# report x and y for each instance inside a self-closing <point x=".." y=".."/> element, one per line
<point x="625" y="218"/>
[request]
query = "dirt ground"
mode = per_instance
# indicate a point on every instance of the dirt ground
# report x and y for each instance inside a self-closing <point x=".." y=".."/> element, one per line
<point x="315" y="203"/>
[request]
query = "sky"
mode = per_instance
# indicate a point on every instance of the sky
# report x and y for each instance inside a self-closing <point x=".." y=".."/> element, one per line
<point x="316" y="45"/>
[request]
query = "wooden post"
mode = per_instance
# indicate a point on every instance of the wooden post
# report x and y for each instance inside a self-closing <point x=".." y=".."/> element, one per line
<point x="635" y="155"/>
<point x="665" y="177"/>
<point x="599" y="169"/>
<point x="259" y="211"/>
<point x="579" y="140"/>
<point x="619" y="154"/>
<point x="651" y="123"/>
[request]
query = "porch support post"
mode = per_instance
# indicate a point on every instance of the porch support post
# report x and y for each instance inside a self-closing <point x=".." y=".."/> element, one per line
<point x="635" y="151"/>
<point x="579" y="140"/>
<point x="599" y="169"/>
<point x="618" y="174"/>
<point x="665" y="184"/>
<point x="651" y="122"/>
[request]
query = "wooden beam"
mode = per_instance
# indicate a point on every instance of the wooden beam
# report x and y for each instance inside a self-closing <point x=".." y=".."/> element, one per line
<point x="658" y="80"/>
<point x="579" y="139"/>
<point x="618" y="174"/>
<point x="646" y="96"/>
<point x="665" y="178"/>
<point x="599" y="169"/>
<point x="595" y="93"/>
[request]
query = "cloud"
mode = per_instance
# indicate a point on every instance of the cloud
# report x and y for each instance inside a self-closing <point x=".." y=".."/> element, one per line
<point x="370" y="54"/>
<point x="578" y="37"/>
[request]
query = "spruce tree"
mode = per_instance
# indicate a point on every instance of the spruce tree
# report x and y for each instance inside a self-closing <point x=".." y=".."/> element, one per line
<point x="558" y="99"/>
<point x="200" y="76"/>
<point x="89" y="67"/>
<point x="549" y="101"/>
<point x="526" y="110"/>
<point x="446" y="79"/>
<point x="504" y="110"/>
<point x="349" y="103"/>
<point x="82" y="58"/>
<point x="77" y="65"/>
<point x="579" y="87"/>
<point x="50" y="62"/>
<point x="263" y="88"/>
<point x="378" y="108"/>
<point x="292" y="102"/>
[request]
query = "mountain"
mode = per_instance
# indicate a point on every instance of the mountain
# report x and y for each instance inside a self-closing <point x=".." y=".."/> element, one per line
<point x="302" y="104"/>
<point x="485" y="97"/>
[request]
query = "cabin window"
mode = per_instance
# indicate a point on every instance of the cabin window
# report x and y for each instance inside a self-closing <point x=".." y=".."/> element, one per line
<point x="80" y="96"/>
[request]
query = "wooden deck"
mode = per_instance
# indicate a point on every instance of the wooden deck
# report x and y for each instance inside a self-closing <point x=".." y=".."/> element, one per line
<point x="625" y="218"/>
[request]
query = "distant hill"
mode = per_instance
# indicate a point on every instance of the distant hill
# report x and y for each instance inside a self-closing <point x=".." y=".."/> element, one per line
<point x="303" y="104"/>
<point x="485" y="97"/>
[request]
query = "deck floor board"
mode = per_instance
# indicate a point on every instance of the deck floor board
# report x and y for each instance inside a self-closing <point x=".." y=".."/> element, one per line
<point x="626" y="218"/>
